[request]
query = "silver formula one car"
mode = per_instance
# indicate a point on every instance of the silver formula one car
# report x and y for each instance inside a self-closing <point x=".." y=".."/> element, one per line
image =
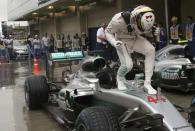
<point x="174" y="69"/>
<point x="83" y="104"/>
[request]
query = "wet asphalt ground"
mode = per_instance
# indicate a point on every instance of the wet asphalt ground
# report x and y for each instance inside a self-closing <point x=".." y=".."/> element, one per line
<point x="14" y="115"/>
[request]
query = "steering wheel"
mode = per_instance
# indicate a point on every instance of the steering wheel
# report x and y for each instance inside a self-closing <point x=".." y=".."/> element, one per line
<point x="107" y="78"/>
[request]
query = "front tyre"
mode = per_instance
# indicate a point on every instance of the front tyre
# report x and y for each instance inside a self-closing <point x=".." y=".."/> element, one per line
<point x="97" y="119"/>
<point x="36" y="91"/>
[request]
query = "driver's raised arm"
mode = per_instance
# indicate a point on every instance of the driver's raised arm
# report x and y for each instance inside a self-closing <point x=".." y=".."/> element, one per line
<point x="110" y="31"/>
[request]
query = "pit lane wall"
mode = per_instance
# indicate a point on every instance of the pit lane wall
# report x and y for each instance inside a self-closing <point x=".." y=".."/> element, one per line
<point x="69" y="25"/>
<point x="72" y="24"/>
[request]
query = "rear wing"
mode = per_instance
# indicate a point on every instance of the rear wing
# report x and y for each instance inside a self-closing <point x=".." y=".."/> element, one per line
<point x="56" y="63"/>
<point x="68" y="56"/>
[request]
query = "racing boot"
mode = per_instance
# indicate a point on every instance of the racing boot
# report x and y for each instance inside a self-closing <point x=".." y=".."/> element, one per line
<point x="148" y="88"/>
<point x="121" y="83"/>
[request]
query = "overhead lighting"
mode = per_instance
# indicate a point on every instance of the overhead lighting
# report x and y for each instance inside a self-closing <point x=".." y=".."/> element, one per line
<point x="34" y="13"/>
<point x="50" y="7"/>
<point x="93" y="3"/>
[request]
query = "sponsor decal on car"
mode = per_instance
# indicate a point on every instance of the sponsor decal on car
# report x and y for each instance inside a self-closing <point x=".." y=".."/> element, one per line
<point x="156" y="100"/>
<point x="170" y="73"/>
<point x="170" y="76"/>
<point x="68" y="55"/>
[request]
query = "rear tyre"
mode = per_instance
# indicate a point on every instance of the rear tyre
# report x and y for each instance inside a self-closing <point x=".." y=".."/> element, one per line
<point x="36" y="91"/>
<point x="97" y="119"/>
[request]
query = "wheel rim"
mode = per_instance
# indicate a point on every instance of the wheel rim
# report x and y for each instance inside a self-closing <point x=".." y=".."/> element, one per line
<point x="82" y="128"/>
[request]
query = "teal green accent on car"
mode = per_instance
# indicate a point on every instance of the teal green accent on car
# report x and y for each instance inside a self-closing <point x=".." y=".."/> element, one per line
<point x="69" y="55"/>
<point x="171" y="69"/>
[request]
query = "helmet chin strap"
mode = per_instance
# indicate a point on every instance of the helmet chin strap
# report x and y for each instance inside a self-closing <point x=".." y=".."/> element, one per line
<point x="126" y="16"/>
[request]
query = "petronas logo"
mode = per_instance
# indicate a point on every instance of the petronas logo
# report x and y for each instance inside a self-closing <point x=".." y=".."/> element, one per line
<point x="170" y="76"/>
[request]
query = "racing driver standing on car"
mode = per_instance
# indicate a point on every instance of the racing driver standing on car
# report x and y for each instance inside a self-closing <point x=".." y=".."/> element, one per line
<point x="124" y="33"/>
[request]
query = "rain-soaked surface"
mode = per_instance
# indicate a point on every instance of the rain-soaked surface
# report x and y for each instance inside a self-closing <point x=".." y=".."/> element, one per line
<point x="13" y="111"/>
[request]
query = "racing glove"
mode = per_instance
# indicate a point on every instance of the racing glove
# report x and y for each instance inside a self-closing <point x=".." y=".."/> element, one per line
<point x="118" y="43"/>
<point x="112" y="40"/>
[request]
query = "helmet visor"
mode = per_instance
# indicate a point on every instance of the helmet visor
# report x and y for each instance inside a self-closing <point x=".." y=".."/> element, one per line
<point x="146" y="21"/>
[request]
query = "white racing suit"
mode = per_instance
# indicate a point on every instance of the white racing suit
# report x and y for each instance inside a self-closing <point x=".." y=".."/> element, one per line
<point x="116" y="32"/>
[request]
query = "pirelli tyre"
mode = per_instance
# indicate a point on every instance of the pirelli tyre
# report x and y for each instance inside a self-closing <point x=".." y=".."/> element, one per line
<point x="97" y="119"/>
<point x="36" y="91"/>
